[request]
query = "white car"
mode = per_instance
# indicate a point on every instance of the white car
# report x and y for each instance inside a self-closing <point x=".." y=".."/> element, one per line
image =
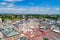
<point x="42" y="27"/>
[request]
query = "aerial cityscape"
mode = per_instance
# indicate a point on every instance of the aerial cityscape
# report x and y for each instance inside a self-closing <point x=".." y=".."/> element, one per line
<point x="29" y="19"/>
<point x="29" y="27"/>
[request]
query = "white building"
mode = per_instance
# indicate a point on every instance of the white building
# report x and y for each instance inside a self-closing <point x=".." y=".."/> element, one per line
<point x="0" y="20"/>
<point x="1" y="35"/>
<point x="55" y="28"/>
<point x="1" y="23"/>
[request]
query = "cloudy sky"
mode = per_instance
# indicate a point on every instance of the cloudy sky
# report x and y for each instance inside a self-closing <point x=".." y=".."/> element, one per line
<point x="30" y="6"/>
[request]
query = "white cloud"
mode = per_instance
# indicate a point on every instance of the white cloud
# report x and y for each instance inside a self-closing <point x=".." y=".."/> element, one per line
<point x="11" y="5"/>
<point x="57" y="9"/>
<point x="13" y="0"/>
<point x="29" y="10"/>
<point x="6" y="4"/>
<point x="3" y="3"/>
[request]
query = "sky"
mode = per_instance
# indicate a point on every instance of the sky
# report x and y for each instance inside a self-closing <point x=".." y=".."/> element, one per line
<point x="30" y="6"/>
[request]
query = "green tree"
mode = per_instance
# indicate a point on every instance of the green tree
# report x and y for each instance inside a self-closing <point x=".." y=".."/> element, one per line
<point x="45" y="39"/>
<point x="0" y="38"/>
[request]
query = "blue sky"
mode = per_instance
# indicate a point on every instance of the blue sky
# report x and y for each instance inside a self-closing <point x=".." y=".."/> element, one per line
<point x="30" y="6"/>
